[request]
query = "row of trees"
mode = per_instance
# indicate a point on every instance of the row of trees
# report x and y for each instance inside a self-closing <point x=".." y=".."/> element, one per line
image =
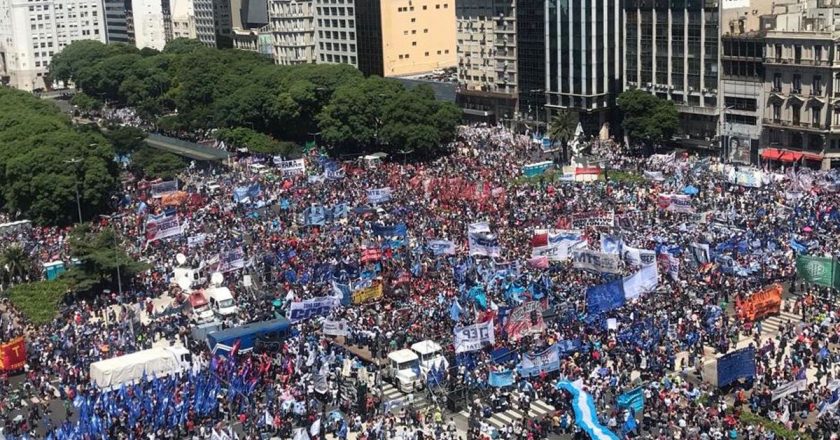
<point x="43" y="158"/>
<point x="192" y="87"/>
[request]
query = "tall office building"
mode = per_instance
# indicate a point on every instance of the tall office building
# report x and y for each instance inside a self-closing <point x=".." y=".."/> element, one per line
<point x="152" y="23"/>
<point x="530" y="61"/>
<point x="583" y="68"/>
<point x="801" y="120"/>
<point x="293" y="31"/>
<point x="671" y="50"/>
<point x="32" y="31"/>
<point x="157" y="22"/>
<point x="223" y="20"/>
<point x="335" y="21"/>
<point x="405" y="37"/>
<point x="487" y="59"/>
<point x="119" y="26"/>
<point x="250" y="28"/>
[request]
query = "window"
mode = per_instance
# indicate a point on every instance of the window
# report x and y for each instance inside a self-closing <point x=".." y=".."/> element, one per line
<point x="815" y="116"/>
<point x="437" y="6"/>
<point x="413" y="31"/>
<point x="796" y="112"/>
<point x="446" y="6"/>
<point x="797" y="54"/>
<point x="816" y="85"/>
<point x="407" y="55"/>
<point x="777" y="112"/>
<point x="413" y="20"/>
<point x="778" y="53"/>
<point x="425" y="31"/>
<point x="446" y="51"/>
<point x="817" y="53"/>
<point x="414" y="43"/>
<point x="427" y="53"/>
<point x="777" y="82"/>
<point x="401" y="56"/>
<point x="796" y="86"/>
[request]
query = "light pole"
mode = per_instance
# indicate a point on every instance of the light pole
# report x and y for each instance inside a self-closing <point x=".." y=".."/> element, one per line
<point x="111" y="219"/>
<point x="76" y="162"/>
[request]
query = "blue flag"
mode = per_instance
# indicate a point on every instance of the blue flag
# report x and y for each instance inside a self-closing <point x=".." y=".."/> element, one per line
<point x="455" y="310"/>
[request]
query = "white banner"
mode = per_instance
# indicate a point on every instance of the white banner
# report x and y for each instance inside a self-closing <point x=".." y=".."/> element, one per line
<point x="160" y="227"/>
<point x="474" y="337"/>
<point x="163" y="188"/>
<point x="638" y="257"/>
<point x="335" y="328"/>
<point x="559" y="244"/>
<point x="597" y="261"/>
<point x="643" y="281"/>
<point x="482" y="241"/>
<point x="789" y="388"/>
<point x="291" y="167"/>
<point x="231" y="260"/>
<point x="379" y="195"/>
<point x="301" y="310"/>
<point x="745" y="177"/>
<point x="676" y="203"/>
<point x="196" y="240"/>
<point x="735" y="4"/>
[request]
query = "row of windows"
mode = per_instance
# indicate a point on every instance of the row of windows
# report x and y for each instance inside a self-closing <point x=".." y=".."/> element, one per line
<point x="336" y="35"/>
<point x="330" y="58"/>
<point x="411" y="8"/>
<point x="336" y="23"/>
<point x="336" y="12"/>
<point x="337" y="47"/>
<point x="414" y="31"/>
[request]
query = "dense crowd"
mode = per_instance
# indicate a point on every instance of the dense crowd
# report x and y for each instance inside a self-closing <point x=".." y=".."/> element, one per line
<point x="658" y="341"/>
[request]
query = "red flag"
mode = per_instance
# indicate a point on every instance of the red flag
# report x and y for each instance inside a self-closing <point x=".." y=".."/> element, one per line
<point x="371" y="254"/>
<point x="12" y="355"/>
<point x="538" y="262"/>
<point x="539" y="240"/>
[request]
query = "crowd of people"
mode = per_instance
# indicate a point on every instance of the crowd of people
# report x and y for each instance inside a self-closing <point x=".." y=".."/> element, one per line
<point x="282" y="234"/>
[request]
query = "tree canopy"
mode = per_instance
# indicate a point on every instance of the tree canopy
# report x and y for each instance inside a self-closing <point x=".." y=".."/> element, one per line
<point x="647" y="118"/>
<point x="36" y="180"/>
<point x="98" y="260"/>
<point x="188" y="86"/>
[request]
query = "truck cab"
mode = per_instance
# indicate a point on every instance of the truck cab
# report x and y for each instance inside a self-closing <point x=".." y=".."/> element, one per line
<point x="431" y="356"/>
<point x="198" y="309"/>
<point x="403" y="369"/>
<point x="221" y="302"/>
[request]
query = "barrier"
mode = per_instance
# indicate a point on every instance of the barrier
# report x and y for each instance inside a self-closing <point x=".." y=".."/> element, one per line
<point x="761" y="304"/>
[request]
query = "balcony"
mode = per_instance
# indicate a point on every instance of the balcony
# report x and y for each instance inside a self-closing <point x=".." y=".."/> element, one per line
<point x="796" y="62"/>
<point x="781" y="123"/>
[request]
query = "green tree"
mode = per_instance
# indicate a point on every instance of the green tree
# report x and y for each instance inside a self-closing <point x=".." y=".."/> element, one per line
<point x="154" y="164"/>
<point x="125" y="140"/>
<point x="648" y="119"/>
<point x="15" y="263"/>
<point x="562" y="129"/>
<point x="414" y="121"/>
<point x="85" y="102"/>
<point x="39" y="301"/>
<point x="98" y="255"/>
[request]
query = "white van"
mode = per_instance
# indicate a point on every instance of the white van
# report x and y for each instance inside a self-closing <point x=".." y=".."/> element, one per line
<point x="431" y="356"/>
<point x="403" y="366"/>
<point x="221" y="301"/>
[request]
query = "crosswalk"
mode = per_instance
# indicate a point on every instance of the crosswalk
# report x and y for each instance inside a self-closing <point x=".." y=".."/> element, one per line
<point x="538" y="410"/>
<point x="772" y="324"/>
<point x="394" y="399"/>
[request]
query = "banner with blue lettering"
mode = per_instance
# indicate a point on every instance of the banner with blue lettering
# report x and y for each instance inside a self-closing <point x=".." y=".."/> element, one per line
<point x="605" y="297"/>
<point x="315" y="216"/>
<point x="586" y="416"/>
<point x="240" y="194"/>
<point x="544" y="362"/>
<point x="474" y="337"/>
<point x="596" y="261"/>
<point x="482" y="241"/>
<point x="301" y="310"/>
<point x="568" y="346"/>
<point x="231" y="260"/>
<point x="441" y="247"/>
<point x="736" y="365"/>
<point x="334" y="174"/>
<point x="634" y="398"/>
<point x="398" y="230"/>
<point x="379" y="195"/>
<point x="499" y="379"/>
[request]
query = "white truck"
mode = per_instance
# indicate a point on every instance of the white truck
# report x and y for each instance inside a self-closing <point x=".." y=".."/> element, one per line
<point x="221" y="301"/>
<point x="431" y="356"/>
<point x="409" y="368"/>
<point x="154" y="362"/>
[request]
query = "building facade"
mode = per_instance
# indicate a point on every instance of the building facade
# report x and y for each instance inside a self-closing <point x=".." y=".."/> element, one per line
<point x="223" y="21"/>
<point x="119" y="27"/>
<point x="530" y="62"/>
<point x="417" y="36"/>
<point x="292" y="26"/>
<point x="335" y="21"/>
<point x="672" y="51"/>
<point x="152" y="23"/>
<point x="250" y="28"/>
<point x="31" y="32"/>
<point x="583" y="67"/>
<point x="487" y="59"/>
<point x="194" y="19"/>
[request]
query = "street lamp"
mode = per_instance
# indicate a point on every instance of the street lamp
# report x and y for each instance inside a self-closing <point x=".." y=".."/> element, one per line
<point x="76" y="162"/>
<point x="111" y="219"/>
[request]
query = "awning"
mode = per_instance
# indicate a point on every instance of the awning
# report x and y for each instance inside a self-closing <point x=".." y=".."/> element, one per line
<point x="788" y="155"/>
<point x="812" y="156"/>
<point x="771" y="154"/>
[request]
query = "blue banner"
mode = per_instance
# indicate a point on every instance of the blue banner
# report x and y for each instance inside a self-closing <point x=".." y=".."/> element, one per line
<point x="545" y="362"/>
<point x="605" y="297"/>
<point x="632" y="399"/>
<point x="568" y="346"/>
<point x="500" y="379"/>
<point x="586" y="416"/>
<point x="379" y="195"/>
<point x="398" y="230"/>
<point x="736" y="365"/>
<point x="441" y="247"/>
<point x="315" y="216"/>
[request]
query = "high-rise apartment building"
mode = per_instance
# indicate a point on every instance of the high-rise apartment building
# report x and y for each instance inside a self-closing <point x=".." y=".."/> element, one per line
<point x="119" y="26"/>
<point x="671" y="50"/>
<point x="802" y="83"/>
<point x="293" y="31"/>
<point x="250" y="28"/>
<point x="32" y="31"/>
<point x="583" y="67"/>
<point x="487" y="58"/>
<point x="335" y="21"/>
<point x="194" y="19"/>
<point x="157" y="22"/>
<point x="152" y="23"/>
<point x="530" y="61"/>
<point x="223" y="20"/>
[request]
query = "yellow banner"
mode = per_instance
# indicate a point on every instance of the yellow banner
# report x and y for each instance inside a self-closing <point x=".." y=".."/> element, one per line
<point x="367" y="294"/>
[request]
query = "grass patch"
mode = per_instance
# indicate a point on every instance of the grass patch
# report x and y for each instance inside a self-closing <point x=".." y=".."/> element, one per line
<point x="39" y="301"/>
<point x="749" y="418"/>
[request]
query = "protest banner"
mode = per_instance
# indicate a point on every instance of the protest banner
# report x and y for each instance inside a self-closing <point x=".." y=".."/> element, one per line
<point x="675" y="203"/>
<point x="634" y="398"/>
<point x="163" y="188"/>
<point x="586" y="416"/>
<point x="700" y="253"/>
<point x="761" y="304"/>
<point x="526" y="320"/>
<point x="587" y="171"/>
<point x="379" y="195"/>
<point x="654" y="175"/>
<point x="291" y="167"/>
<point x="315" y="215"/>
<point x="818" y="270"/>
<point x="482" y="241"/>
<point x="611" y="244"/>
<point x="638" y="257"/>
<point x="596" y="261"/>
<point x="736" y="365"/>
<point x="370" y="255"/>
<point x="643" y="281"/>
<point x="544" y="362"/>
<point x="441" y="247"/>
<point x="175" y="198"/>
<point x="582" y="220"/>
<point x="196" y="240"/>
<point x="231" y="260"/>
<point x="556" y="245"/>
<point x="12" y="355"/>
<point x="789" y="388"/>
<point x="473" y="337"/>
<point x="398" y="230"/>
<point x="300" y="310"/>
<point x="745" y="177"/>
<point x="336" y="174"/>
<point x="605" y="297"/>
<point x="536" y="169"/>
<point x="367" y="294"/>
<point x="499" y="379"/>
<point x="335" y="328"/>
<point x="162" y="226"/>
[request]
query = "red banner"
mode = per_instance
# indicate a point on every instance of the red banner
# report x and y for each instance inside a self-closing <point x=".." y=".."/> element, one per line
<point x="526" y="320"/>
<point x="371" y="254"/>
<point x="12" y="355"/>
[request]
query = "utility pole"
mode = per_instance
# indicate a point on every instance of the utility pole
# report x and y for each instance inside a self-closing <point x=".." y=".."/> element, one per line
<point x="76" y="162"/>
<point x="111" y="219"/>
